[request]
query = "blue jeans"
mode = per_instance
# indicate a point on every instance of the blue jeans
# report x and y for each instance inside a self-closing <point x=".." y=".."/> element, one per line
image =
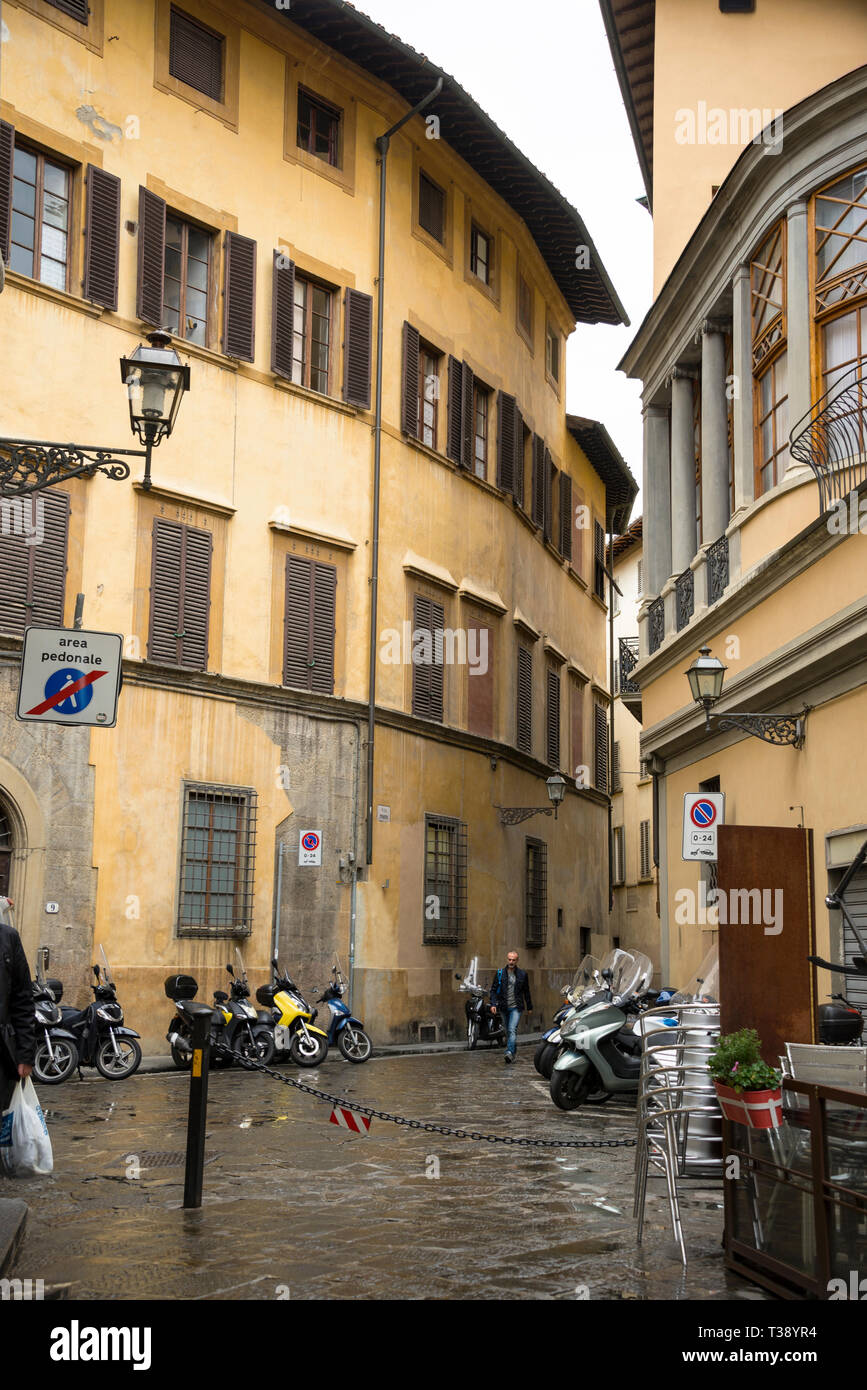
<point x="511" y="1018"/>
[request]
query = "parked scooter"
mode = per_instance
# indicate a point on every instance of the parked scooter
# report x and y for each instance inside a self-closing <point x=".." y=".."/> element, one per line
<point x="344" y="1029"/>
<point x="235" y="1024"/>
<point x="291" y="1020"/>
<point x="600" y="1052"/>
<point x="102" y="1040"/>
<point x="586" y="983"/>
<point x="56" y="1055"/>
<point x="484" y="1024"/>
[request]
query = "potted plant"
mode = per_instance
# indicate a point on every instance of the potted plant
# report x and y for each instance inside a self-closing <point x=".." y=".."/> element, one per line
<point x="748" y="1090"/>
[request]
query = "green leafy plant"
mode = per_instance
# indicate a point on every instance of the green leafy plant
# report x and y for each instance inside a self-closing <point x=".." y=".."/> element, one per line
<point x="737" y="1062"/>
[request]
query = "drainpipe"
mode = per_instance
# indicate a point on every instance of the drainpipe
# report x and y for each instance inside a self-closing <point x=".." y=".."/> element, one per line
<point x="612" y="586"/>
<point x="382" y="145"/>
<point x="275" y="943"/>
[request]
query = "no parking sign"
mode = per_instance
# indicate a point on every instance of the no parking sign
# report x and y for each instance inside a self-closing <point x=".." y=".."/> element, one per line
<point x="310" y="847"/>
<point x="702" y="813"/>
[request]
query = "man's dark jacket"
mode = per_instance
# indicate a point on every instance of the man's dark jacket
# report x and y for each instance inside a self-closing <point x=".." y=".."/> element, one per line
<point x="522" y="989"/>
<point x="17" y="1018"/>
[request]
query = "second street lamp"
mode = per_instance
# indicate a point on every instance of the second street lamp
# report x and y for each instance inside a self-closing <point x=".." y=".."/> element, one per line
<point x="514" y="815"/>
<point x="706" y="676"/>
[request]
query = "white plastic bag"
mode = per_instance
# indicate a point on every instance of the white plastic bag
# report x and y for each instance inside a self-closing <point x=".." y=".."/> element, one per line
<point x="25" y="1148"/>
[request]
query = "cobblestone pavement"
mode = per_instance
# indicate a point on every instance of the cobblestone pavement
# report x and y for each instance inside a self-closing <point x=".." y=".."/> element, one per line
<point x="297" y="1207"/>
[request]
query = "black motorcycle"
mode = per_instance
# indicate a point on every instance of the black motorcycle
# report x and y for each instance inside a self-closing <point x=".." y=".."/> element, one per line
<point x="484" y="1023"/>
<point x="102" y="1040"/>
<point x="56" y="1054"/>
<point x="235" y="1023"/>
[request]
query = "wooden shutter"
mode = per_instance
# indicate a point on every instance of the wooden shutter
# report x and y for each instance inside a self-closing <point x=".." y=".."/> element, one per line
<point x="309" y="624"/>
<point x="644" y="871"/>
<point x="518" y="465"/>
<point x="33" y="576"/>
<point x="552" y="718"/>
<point x="180" y="595"/>
<point x="76" y="9"/>
<point x="600" y="750"/>
<point x="7" y="164"/>
<point x="151" y="257"/>
<point x="599" y="560"/>
<point x="524" y="700"/>
<point x="538" y="484"/>
<point x="427" y="677"/>
<point x="357" y="347"/>
<point x="282" y="316"/>
<point x="615" y="768"/>
<point x="506" y="431"/>
<point x="468" y="419"/>
<point x="239" y="298"/>
<point x="409" y="421"/>
<point x="196" y="55"/>
<point x="566" y="518"/>
<point x="578" y="532"/>
<point x="101" y="237"/>
<point x="548" y="513"/>
<point x="456" y="409"/>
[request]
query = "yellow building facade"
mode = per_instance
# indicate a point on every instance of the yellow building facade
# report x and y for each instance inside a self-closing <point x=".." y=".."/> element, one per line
<point x="220" y="178"/>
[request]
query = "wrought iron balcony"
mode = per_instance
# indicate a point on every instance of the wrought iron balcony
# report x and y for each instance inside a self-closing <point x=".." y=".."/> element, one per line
<point x="628" y="663"/>
<point x="832" y="437"/>
<point x="717" y="569"/>
<point x="684" y="594"/>
<point x="656" y="620"/>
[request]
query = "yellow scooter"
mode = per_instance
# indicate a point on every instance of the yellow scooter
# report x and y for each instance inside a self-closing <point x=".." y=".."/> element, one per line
<point x="292" y="1020"/>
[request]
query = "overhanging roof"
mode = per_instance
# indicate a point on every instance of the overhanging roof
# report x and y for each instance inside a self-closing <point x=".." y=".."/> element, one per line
<point x="630" y="26"/>
<point x="620" y="486"/>
<point x="555" y="226"/>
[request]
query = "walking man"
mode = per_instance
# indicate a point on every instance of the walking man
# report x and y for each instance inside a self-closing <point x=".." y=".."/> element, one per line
<point x="510" y="992"/>
<point x="17" y="1030"/>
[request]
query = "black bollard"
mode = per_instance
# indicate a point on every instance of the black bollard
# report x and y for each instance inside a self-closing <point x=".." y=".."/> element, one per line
<point x="200" y="1016"/>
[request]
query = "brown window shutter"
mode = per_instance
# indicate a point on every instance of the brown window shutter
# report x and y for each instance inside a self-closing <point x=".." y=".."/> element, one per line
<point x="518" y="465"/>
<point x="180" y="595"/>
<point x="566" y="518"/>
<point x="538" y="483"/>
<point x="615" y="768"/>
<point x="578" y="533"/>
<point x="548" y="515"/>
<point x="357" y="348"/>
<point x="7" y="163"/>
<point x="309" y="625"/>
<point x="409" y="380"/>
<point x="480" y="685"/>
<point x="282" y="316"/>
<point x="600" y="749"/>
<point x="76" y="9"/>
<point x="468" y="419"/>
<point x="151" y="257"/>
<point x="323" y="629"/>
<point x="506" y="430"/>
<point x="196" y="55"/>
<point x="101" y="237"/>
<point x="239" y="302"/>
<point x="599" y="560"/>
<point x="456" y="410"/>
<point x="524" y="700"/>
<point x="33" y="576"/>
<point x="552" y="718"/>
<point x="196" y="588"/>
<point x="427" y="677"/>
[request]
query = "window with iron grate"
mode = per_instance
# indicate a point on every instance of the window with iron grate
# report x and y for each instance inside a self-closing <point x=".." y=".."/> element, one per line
<point x="445" y="881"/>
<point x="218" y="848"/>
<point x="535" y="892"/>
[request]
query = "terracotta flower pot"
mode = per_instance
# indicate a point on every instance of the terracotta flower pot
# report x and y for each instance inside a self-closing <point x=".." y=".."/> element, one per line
<point x="755" y="1109"/>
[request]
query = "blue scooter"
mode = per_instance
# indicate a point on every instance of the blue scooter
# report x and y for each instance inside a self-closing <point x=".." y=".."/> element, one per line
<point x="344" y="1029"/>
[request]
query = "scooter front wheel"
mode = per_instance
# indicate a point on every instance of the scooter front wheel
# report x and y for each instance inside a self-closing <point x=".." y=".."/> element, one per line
<point x="308" y="1050"/>
<point x="258" y="1048"/>
<point x="50" y="1071"/>
<point x="354" y="1044"/>
<point x="182" y="1060"/>
<point x="569" y="1090"/>
<point x="472" y="1033"/>
<point x="116" y="1066"/>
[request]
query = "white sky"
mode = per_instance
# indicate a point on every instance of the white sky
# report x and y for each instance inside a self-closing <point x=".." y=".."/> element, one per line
<point x="543" y="72"/>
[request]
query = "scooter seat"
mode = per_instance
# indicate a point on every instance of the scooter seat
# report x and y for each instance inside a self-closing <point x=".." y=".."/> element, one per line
<point x="69" y="1015"/>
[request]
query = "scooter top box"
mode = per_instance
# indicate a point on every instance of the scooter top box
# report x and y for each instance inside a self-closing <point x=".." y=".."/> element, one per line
<point x="56" y="987"/>
<point x="181" y="987"/>
<point x="265" y="995"/>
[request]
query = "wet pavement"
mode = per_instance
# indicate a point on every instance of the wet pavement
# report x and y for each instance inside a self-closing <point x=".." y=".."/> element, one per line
<point x="296" y="1207"/>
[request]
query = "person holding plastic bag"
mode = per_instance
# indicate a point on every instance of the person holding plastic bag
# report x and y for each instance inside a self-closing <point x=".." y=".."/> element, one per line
<point x="17" y="1016"/>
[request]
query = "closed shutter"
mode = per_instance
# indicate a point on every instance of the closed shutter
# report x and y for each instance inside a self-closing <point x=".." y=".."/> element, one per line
<point x="506" y="429"/>
<point x="239" y="305"/>
<point x="357" y="348"/>
<point x="33" y="576"/>
<point x="196" y="55"/>
<point x="524" y="701"/>
<point x="151" y="257"/>
<point x="566" y="519"/>
<point x="552" y="719"/>
<point x="76" y="9"/>
<point x="468" y="420"/>
<point x="309" y="625"/>
<point x="615" y="768"/>
<point x="7" y="163"/>
<point x="518" y="466"/>
<point x="855" y="986"/>
<point x="409" y="422"/>
<point x="645" y="849"/>
<point x="548" y="516"/>
<point x="101" y="237"/>
<point x="180" y="595"/>
<point x="578" y="532"/>
<point x="538" y="482"/>
<point x="282" y="316"/>
<point x="600" y="750"/>
<point x="456" y="407"/>
<point x="599" y="560"/>
<point x="427" y="676"/>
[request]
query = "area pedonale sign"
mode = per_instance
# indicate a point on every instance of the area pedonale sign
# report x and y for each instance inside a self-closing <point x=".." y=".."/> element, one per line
<point x="70" y="677"/>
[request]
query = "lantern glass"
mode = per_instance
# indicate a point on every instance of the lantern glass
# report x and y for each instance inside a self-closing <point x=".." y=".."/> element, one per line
<point x="155" y="379"/>
<point x="556" y="789"/>
<point x="705" y="676"/>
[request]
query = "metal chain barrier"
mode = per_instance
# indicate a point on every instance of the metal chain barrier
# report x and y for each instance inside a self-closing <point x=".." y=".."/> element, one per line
<point x="428" y="1126"/>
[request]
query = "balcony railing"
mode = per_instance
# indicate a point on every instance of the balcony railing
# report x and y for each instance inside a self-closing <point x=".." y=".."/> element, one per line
<point x="832" y="437"/>
<point x="684" y="594"/>
<point x="656" y="620"/>
<point x="717" y="569"/>
<point x="628" y="663"/>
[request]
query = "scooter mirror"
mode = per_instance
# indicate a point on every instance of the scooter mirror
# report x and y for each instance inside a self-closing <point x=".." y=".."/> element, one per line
<point x="96" y="971"/>
<point x="231" y="971"/>
<point x="457" y="977"/>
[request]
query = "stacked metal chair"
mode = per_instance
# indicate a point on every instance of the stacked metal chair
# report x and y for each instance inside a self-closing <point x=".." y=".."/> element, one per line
<point x="679" y="1120"/>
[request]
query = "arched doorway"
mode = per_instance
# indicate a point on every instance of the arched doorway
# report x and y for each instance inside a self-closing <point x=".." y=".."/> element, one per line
<point x="5" y="852"/>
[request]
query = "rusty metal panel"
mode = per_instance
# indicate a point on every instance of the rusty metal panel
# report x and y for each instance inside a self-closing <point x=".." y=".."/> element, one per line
<point x="766" y="980"/>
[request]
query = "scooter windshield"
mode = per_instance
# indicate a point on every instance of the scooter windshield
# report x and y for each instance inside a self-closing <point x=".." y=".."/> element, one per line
<point x="242" y="972"/>
<point x="106" y="972"/>
<point x="703" y="988"/>
<point x="587" y="980"/>
<point x="631" y="971"/>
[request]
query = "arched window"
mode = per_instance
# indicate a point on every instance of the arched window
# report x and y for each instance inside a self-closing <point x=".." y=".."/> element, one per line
<point x="5" y="852"/>
<point x="841" y="280"/>
<point x="770" y="390"/>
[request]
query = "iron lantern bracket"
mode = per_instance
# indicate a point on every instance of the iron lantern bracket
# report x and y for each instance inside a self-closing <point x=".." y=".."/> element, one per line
<point x="514" y="815"/>
<point x="781" y="730"/>
<point x="31" y="465"/>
